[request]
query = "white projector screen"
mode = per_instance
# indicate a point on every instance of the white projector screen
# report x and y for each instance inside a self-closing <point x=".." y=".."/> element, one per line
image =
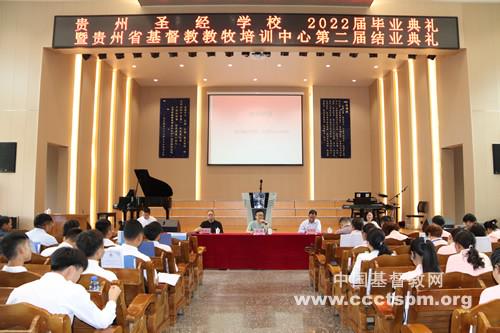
<point x="254" y="129"/>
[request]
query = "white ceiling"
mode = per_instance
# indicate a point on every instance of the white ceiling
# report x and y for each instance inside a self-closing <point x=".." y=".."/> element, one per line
<point x="241" y="71"/>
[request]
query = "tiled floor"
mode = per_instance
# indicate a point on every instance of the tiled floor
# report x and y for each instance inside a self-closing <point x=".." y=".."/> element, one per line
<point x="255" y="301"/>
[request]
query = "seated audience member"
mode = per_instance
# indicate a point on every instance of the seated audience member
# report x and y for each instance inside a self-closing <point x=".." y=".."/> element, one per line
<point x="345" y="226"/>
<point x="152" y="233"/>
<point x="69" y="240"/>
<point x="146" y="217"/>
<point x="439" y="220"/>
<point x="478" y="230"/>
<point x="434" y="233"/>
<point x="16" y="248"/>
<point x="258" y="223"/>
<point x="211" y="223"/>
<point x="450" y="248"/>
<point x="467" y="259"/>
<point x="40" y="233"/>
<point x="369" y="219"/>
<point x="364" y="233"/>
<point x="391" y="230"/>
<point x="357" y="226"/>
<point x="469" y="219"/>
<point x="133" y="233"/>
<point x="312" y="223"/>
<point x="91" y="243"/>
<point x="58" y="293"/>
<point x="106" y="229"/>
<point x="377" y="248"/>
<point x="5" y="226"/>
<point x="492" y="230"/>
<point x="70" y="224"/>
<point x="423" y="255"/>
<point x="386" y="219"/>
<point x="492" y="293"/>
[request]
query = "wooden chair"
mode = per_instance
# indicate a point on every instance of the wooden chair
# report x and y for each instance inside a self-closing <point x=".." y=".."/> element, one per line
<point x="393" y="261"/>
<point x="313" y="268"/>
<point x="198" y="250"/>
<point x="495" y="246"/>
<point x="134" y="284"/>
<point x="37" y="268"/>
<point x="415" y="328"/>
<point x="186" y="263"/>
<point x="404" y="249"/>
<point x="324" y="275"/>
<point x="463" y="319"/>
<point x="14" y="280"/>
<point x="488" y="279"/>
<point x="484" y="324"/>
<point x="15" y="321"/>
<point x="38" y="259"/>
<point x="15" y="315"/>
<point x="4" y="294"/>
<point x="391" y="242"/>
<point x="132" y="319"/>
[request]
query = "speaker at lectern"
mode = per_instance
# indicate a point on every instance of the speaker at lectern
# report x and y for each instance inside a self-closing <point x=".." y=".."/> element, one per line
<point x="255" y="201"/>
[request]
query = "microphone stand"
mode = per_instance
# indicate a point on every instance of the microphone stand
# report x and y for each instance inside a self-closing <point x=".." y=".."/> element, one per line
<point x="397" y="196"/>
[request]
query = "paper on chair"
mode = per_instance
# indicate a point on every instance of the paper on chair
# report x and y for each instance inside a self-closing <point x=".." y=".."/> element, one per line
<point x="351" y="240"/>
<point x="112" y="258"/>
<point x="170" y="279"/>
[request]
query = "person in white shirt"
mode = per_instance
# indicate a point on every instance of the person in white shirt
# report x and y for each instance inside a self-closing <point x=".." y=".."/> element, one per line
<point x="439" y="220"/>
<point x="369" y="219"/>
<point x="58" y="293"/>
<point x="364" y="233"/>
<point x="391" y="230"/>
<point x="146" y="217"/>
<point x="377" y="248"/>
<point x="468" y="260"/>
<point x="69" y="240"/>
<point x="39" y="235"/>
<point x="434" y="232"/>
<point x="133" y="233"/>
<point x="152" y="233"/>
<point x="492" y="293"/>
<point x="91" y="244"/>
<point x="16" y="248"/>
<point x="357" y="226"/>
<point x="450" y="248"/>
<point x="312" y="224"/>
<point x="345" y="226"/>
<point x="423" y="255"/>
<point x="492" y="230"/>
<point x="469" y="220"/>
<point x="106" y="229"/>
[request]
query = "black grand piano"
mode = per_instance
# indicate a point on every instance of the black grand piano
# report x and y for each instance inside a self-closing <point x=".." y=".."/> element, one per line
<point x="157" y="193"/>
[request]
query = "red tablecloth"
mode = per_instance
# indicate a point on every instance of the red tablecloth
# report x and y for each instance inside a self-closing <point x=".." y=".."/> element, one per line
<point x="245" y="251"/>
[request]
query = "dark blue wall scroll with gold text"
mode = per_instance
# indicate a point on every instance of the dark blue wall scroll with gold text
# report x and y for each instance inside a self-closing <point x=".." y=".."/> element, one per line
<point x="335" y="128"/>
<point x="174" y="128"/>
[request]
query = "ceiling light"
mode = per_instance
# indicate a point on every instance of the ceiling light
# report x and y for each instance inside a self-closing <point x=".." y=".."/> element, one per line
<point x="279" y="65"/>
<point x="255" y="80"/>
<point x="305" y="80"/>
<point x="354" y="81"/>
<point x="181" y="65"/>
<point x="328" y="66"/>
<point x="156" y="80"/>
<point x="376" y="66"/>
<point x="205" y="79"/>
<point x="134" y="66"/>
<point x="229" y="65"/>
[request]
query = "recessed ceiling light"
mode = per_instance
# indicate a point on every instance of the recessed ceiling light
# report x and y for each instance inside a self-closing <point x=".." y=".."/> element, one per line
<point x="279" y="65"/>
<point x="156" y="80"/>
<point x="354" y="81"/>
<point x="181" y="65"/>
<point x="328" y="66"/>
<point x="134" y="66"/>
<point x="305" y="80"/>
<point x="255" y="79"/>
<point x="376" y="66"/>
<point x="205" y="79"/>
<point x="229" y="65"/>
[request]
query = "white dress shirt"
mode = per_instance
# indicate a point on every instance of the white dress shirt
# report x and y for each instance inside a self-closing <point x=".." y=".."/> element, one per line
<point x="458" y="263"/>
<point x="94" y="269"/>
<point x="447" y="249"/>
<point x="408" y="276"/>
<point x="14" y="269"/>
<point x="39" y="235"/>
<point x="145" y="221"/>
<point x="397" y="235"/>
<point x="49" y="251"/>
<point x="305" y="226"/>
<point x="109" y="242"/>
<point x="490" y="294"/>
<point x="59" y="296"/>
<point x="354" y="277"/>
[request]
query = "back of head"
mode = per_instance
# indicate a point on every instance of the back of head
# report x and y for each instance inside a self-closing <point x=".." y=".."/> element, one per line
<point x="147" y="210"/>
<point x="313" y="211"/>
<point x="345" y="221"/>
<point x="455" y="231"/>
<point x="103" y="226"/>
<point x="41" y="220"/>
<point x="490" y="225"/>
<point x="132" y="229"/>
<point x="376" y="240"/>
<point x="434" y="230"/>
<point x="68" y="225"/>
<point x="65" y="257"/>
<point x="478" y="230"/>
<point x="3" y="220"/>
<point x="467" y="240"/>
<point x="386" y="219"/>
<point x="72" y="234"/>
<point x="10" y="243"/>
<point x="89" y="242"/>
<point x="389" y="227"/>
<point x="152" y="231"/>
<point x="368" y="227"/>
<point x="495" y="259"/>
<point x="357" y="223"/>
<point x="425" y="249"/>
<point x="469" y="218"/>
<point x="439" y="220"/>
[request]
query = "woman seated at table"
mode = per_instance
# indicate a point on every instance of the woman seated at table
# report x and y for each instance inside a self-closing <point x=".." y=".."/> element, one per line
<point x="369" y="219"/>
<point x="391" y="230"/>
<point x="468" y="259"/>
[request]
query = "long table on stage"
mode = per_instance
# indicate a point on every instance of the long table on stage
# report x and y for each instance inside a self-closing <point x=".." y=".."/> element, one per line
<point x="246" y="251"/>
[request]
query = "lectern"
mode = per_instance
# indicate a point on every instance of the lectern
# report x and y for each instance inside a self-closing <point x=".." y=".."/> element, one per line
<point x="255" y="201"/>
